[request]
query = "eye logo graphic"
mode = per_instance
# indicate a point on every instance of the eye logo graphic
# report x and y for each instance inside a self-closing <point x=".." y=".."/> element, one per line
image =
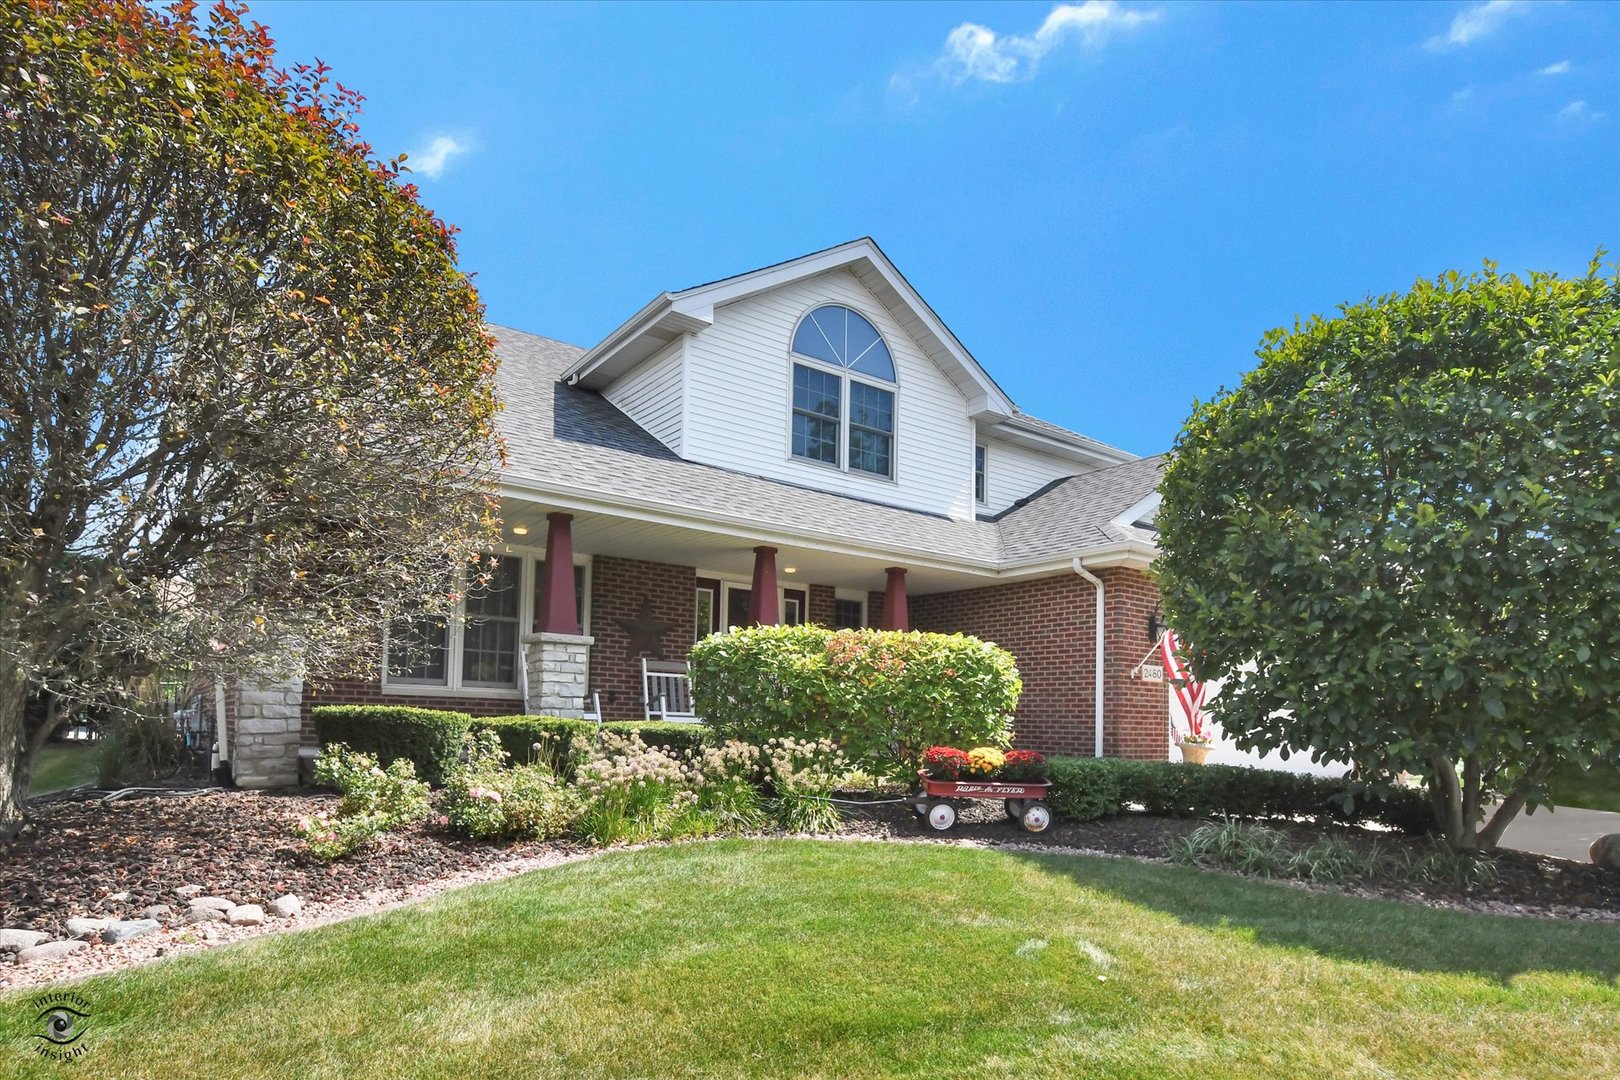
<point x="61" y="1020"/>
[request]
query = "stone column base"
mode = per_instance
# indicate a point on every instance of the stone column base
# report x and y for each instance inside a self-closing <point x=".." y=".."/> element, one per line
<point x="558" y="669"/>
<point x="268" y="731"/>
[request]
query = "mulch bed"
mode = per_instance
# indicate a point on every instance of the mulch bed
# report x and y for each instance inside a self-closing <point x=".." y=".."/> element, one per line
<point x="80" y="857"/>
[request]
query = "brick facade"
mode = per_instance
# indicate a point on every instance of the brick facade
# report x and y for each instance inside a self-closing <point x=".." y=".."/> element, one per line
<point x="618" y="588"/>
<point x="1049" y="625"/>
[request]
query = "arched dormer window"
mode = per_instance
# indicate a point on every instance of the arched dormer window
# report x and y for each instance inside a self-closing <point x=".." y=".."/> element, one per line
<point x="842" y="416"/>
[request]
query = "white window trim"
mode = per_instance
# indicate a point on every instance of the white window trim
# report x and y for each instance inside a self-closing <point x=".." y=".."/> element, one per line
<point x="453" y="686"/>
<point x="977" y="447"/>
<point x="846" y="376"/>
<point x="855" y="596"/>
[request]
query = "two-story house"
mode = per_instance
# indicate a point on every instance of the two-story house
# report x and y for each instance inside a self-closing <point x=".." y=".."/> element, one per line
<point x="807" y="442"/>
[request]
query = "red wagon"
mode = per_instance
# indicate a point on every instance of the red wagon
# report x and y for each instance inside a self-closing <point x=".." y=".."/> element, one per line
<point x="1024" y="800"/>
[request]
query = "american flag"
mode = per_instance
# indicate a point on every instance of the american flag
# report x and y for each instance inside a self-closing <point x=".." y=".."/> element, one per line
<point x="1189" y="694"/>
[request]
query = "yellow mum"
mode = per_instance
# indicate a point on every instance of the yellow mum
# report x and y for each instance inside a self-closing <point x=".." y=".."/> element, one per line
<point x="984" y="760"/>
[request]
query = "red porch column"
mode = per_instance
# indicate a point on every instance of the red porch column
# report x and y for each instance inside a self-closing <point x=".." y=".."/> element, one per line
<point x="559" y="614"/>
<point x="895" y="615"/>
<point x="762" y="606"/>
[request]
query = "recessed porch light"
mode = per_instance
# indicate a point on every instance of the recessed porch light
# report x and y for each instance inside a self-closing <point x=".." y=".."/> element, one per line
<point x="520" y="530"/>
<point x="790" y="569"/>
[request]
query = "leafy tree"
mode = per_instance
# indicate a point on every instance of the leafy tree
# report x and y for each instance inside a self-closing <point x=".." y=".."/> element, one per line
<point x="247" y="402"/>
<point x="1399" y="539"/>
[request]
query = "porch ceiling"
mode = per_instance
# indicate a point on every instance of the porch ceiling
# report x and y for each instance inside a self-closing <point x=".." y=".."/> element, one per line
<point x="729" y="557"/>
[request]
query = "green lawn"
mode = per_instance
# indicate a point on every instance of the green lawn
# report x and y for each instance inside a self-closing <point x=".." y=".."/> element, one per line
<point x="782" y="957"/>
<point x="64" y="765"/>
<point x="1597" y="788"/>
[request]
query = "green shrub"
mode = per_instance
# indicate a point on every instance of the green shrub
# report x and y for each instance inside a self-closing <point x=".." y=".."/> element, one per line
<point x="884" y="696"/>
<point x="804" y="775"/>
<point x="559" y="739"/>
<point x="674" y="736"/>
<point x="428" y="738"/>
<point x="374" y="800"/>
<point x="1084" y="789"/>
<point x="486" y="800"/>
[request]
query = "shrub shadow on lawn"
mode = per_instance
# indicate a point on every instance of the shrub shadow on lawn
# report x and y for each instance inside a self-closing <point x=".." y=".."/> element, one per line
<point x="1410" y="936"/>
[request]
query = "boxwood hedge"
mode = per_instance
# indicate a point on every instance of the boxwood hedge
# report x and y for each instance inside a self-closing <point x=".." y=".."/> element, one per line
<point x="1085" y="789"/>
<point x="429" y="738"/>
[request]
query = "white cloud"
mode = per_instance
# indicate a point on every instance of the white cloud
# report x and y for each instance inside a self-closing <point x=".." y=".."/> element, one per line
<point x="1560" y="68"/>
<point x="431" y="161"/>
<point x="1476" y="22"/>
<point x="1579" y="112"/>
<point x="973" y="51"/>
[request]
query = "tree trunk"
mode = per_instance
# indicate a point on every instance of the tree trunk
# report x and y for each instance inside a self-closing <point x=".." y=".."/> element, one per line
<point x="16" y="763"/>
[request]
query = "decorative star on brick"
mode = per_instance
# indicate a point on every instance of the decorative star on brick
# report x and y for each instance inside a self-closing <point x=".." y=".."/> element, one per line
<point x="646" y="631"/>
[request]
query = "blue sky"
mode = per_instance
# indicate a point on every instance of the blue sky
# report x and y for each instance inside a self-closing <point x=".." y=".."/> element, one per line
<point x="1109" y="203"/>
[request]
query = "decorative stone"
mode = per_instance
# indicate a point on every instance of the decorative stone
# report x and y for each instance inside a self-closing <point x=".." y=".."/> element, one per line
<point x="186" y="892"/>
<point x="218" y="903"/>
<point x="83" y="928"/>
<point x="203" y="915"/>
<point x="246" y="915"/>
<point x="157" y="911"/>
<point x="1605" y="851"/>
<point x="17" y="940"/>
<point x="129" y="930"/>
<point x="285" y="907"/>
<point x="51" y="950"/>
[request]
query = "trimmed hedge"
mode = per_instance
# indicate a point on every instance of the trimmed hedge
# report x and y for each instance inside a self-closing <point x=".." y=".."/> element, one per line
<point x="562" y="738"/>
<point x="1085" y="789"/>
<point x="428" y="738"/>
<point x="884" y="696"/>
<point x="558" y="736"/>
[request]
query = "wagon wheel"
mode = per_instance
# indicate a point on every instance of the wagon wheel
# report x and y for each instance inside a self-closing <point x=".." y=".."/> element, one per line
<point x="1036" y="817"/>
<point x="920" y="807"/>
<point x="1015" y="808"/>
<point x="941" y="815"/>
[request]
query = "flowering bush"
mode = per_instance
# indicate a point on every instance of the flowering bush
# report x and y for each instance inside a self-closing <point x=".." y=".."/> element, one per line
<point x="373" y="800"/>
<point x="945" y="762"/>
<point x="984" y="763"/>
<point x="632" y="791"/>
<point x="485" y="800"/>
<point x="726" y="780"/>
<point x="804" y="775"/>
<point x="1025" y="765"/>
<point x="886" y="696"/>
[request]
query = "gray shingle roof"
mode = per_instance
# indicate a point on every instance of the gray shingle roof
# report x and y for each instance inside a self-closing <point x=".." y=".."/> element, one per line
<point x="563" y="435"/>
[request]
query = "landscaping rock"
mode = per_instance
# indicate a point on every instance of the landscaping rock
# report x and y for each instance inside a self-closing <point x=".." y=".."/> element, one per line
<point x="158" y="911"/>
<point x="1605" y="851"/>
<point x="186" y="892"/>
<point x="203" y="915"/>
<point x="51" y="950"/>
<point x="245" y="915"/>
<point x="17" y="940"/>
<point x="128" y="930"/>
<point x="219" y="903"/>
<point x="83" y="928"/>
<point x="285" y="907"/>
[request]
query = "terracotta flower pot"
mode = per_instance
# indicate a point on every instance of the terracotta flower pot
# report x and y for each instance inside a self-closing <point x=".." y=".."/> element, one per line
<point x="1194" y="752"/>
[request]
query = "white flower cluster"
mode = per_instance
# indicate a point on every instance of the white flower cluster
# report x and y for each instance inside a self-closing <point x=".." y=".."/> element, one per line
<point x="623" y="764"/>
<point x="805" y="767"/>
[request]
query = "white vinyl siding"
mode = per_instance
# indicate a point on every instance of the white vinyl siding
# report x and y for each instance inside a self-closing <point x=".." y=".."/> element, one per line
<point x="739" y="402"/>
<point x="1016" y="472"/>
<point x="651" y="395"/>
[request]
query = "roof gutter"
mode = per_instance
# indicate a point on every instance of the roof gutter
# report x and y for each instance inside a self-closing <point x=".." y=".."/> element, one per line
<point x="1096" y="583"/>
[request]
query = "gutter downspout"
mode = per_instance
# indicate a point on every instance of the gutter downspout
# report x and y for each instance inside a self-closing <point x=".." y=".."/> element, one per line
<point x="1096" y="583"/>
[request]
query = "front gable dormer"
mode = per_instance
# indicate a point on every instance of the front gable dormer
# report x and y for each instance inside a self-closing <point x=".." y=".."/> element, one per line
<point x="826" y="372"/>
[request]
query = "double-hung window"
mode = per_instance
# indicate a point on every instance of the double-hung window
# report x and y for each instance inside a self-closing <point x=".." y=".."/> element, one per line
<point x="843" y="393"/>
<point x="479" y="646"/>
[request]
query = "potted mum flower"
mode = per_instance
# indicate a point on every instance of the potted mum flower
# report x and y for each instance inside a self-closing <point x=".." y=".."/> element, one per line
<point x="1017" y="777"/>
<point x="1195" y="746"/>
